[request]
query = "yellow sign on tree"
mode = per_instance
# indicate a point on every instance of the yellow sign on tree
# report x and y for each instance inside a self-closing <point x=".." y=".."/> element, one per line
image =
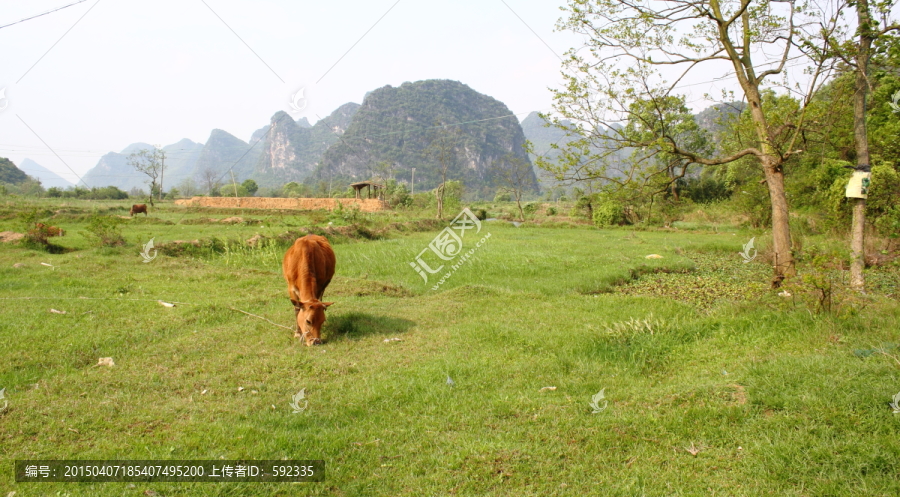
<point x="858" y="187"/>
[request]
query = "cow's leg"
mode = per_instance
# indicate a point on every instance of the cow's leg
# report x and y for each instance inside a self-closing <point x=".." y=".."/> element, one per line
<point x="296" y="305"/>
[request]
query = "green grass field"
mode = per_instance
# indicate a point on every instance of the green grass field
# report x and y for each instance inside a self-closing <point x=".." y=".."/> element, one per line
<point x="714" y="384"/>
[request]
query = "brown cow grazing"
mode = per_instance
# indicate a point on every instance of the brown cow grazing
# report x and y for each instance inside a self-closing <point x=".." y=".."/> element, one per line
<point x="137" y="209"/>
<point x="51" y="230"/>
<point x="308" y="268"/>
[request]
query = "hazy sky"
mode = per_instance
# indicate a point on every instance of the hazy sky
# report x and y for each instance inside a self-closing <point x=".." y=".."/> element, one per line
<point x="160" y="71"/>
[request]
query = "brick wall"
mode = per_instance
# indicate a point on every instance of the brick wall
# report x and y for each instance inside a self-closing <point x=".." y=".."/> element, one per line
<point x="306" y="204"/>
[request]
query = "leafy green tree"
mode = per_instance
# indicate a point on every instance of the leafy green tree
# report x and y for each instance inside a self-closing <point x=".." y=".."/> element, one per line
<point x="857" y="54"/>
<point x="152" y="164"/>
<point x="294" y="190"/>
<point x="250" y="187"/>
<point x="653" y="123"/>
<point x="443" y="149"/>
<point x="235" y="191"/>
<point x="615" y="77"/>
<point x="514" y="176"/>
<point x="188" y="187"/>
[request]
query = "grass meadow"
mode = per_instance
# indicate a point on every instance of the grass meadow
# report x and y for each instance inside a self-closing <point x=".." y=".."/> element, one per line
<point x="714" y="384"/>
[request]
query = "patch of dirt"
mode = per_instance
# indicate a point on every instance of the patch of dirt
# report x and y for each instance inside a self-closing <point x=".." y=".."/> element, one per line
<point x="10" y="236"/>
<point x="354" y="287"/>
<point x="739" y="396"/>
<point x="255" y="240"/>
<point x="198" y="220"/>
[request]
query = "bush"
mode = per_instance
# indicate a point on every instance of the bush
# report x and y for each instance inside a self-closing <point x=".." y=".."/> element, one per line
<point x="229" y="191"/>
<point x="882" y="202"/>
<point x="608" y="213"/>
<point x="752" y="199"/>
<point x="453" y="193"/>
<point x="503" y="197"/>
<point x="551" y="211"/>
<point x="530" y="208"/>
<point x="583" y="208"/>
<point x="704" y="190"/>
<point x="481" y="214"/>
<point x="397" y="195"/>
<point x="38" y="237"/>
<point x="95" y="193"/>
<point x="104" y="231"/>
<point x="346" y="215"/>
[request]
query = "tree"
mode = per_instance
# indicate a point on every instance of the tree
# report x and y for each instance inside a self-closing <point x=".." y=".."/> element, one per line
<point x="382" y="172"/>
<point x="857" y="55"/>
<point x="250" y="186"/>
<point x="151" y="163"/>
<point x="515" y="177"/>
<point x="295" y="190"/>
<point x="443" y="148"/>
<point x="187" y="187"/>
<point x="627" y="44"/>
<point x="210" y="179"/>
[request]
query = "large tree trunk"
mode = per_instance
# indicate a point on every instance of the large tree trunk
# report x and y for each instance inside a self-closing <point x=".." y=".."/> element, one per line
<point x="783" y="263"/>
<point x="860" y="136"/>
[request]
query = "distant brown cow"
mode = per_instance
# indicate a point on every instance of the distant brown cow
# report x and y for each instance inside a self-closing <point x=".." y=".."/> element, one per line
<point x="51" y="230"/>
<point x="138" y="208"/>
<point x="308" y="268"/>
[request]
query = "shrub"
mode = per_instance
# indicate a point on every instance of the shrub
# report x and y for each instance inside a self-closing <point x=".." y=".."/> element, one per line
<point x="104" y="231"/>
<point x="503" y="197"/>
<point x="397" y="195"/>
<point x="529" y="208"/>
<point x="583" y="208"/>
<point x="609" y="213"/>
<point x="882" y="202"/>
<point x="551" y="211"/>
<point x="38" y="237"/>
<point x="347" y="215"/>
<point x="481" y="214"/>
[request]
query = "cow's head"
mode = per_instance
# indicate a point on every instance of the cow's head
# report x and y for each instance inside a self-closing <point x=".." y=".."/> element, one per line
<point x="310" y="316"/>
